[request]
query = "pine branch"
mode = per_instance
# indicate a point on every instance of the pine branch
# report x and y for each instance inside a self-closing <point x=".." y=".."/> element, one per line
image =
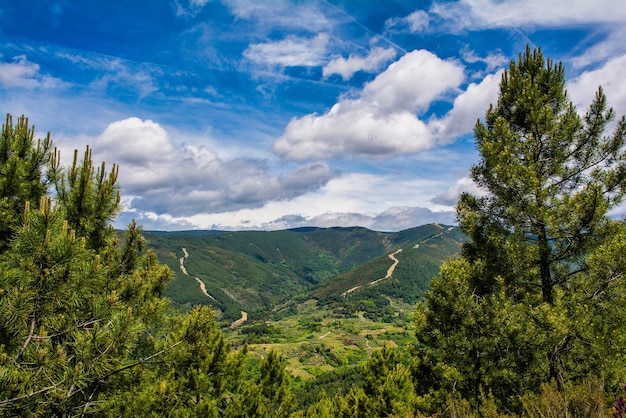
<point x="79" y="326"/>
<point x="28" y="338"/>
<point x="6" y="402"/>
<point x="142" y="361"/>
<point x="94" y="384"/>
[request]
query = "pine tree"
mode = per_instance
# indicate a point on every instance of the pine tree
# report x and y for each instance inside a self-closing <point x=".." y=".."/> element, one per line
<point x="507" y="315"/>
<point x="194" y="373"/>
<point x="84" y="326"/>
<point x="70" y="318"/>
<point x="23" y="175"/>
<point x="268" y="395"/>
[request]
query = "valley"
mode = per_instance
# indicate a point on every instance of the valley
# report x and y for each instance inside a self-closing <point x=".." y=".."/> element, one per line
<point x="322" y="298"/>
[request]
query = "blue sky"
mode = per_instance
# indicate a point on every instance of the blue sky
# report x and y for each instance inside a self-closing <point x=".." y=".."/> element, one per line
<point x="274" y="114"/>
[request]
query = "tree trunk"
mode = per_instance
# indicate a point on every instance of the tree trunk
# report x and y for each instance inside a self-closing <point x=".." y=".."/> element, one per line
<point x="544" y="267"/>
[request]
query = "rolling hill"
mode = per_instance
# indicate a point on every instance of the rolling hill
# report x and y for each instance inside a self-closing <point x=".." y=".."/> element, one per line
<point x="262" y="273"/>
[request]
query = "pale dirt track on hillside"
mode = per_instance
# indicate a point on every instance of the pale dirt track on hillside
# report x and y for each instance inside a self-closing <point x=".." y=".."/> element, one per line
<point x="429" y="238"/>
<point x="184" y="270"/>
<point x="244" y="315"/>
<point x="244" y="318"/>
<point x="391" y="269"/>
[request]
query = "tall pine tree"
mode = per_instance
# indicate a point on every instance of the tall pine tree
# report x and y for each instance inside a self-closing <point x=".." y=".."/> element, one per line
<point x="510" y="313"/>
<point x="84" y="328"/>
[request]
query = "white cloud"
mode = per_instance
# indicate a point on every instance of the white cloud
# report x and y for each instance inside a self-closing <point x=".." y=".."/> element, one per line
<point x="382" y="122"/>
<point x="392" y="219"/>
<point x="21" y="73"/>
<point x="417" y="21"/>
<point x="413" y="82"/>
<point x="189" y="8"/>
<point x="612" y="45"/>
<point x="347" y="67"/>
<point x="290" y="51"/>
<point x="272" y="14"/>
<point x="143" y="141"/>
<point x="185" y="180"/>
<point x="395" y="218"/>
<point x="353" y="128"/>
<point x="492" y="61"/>
<point x="384" y="203"/>
<point x="468" y="107"/>
<point x="121" y="74"/>
<point x="610" y="76"/>
<point x="480" y="14"/>
<point x="117" y="72"/>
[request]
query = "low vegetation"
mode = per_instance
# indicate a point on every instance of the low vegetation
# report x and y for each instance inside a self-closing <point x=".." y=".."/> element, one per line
<point x="526" y="320"/>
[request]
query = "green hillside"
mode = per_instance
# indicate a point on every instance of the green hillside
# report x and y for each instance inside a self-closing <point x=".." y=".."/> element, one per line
<point x="256" y="271"/>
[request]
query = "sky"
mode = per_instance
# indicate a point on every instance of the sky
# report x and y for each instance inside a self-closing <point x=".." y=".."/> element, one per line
<point x="267" y="115"/>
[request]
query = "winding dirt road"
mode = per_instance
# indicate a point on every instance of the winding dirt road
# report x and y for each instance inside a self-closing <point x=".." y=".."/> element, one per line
<point x="184" y="270"/>
<point x="429" y="238"/>
<point x="391" y="269"/>
<point x="244" y="318"/>
<point x="244" y="315"/>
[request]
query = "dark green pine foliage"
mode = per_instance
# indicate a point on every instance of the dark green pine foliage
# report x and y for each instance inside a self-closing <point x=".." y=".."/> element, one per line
<point x="268" y="395"/>
<point x="75" y="304"/>
<point x="84" y="328"/>
<point x="387" y="390"/>
<point x="23" y="177"/>
<point x="526" y="301"/>
<point x="90" y="197"/>
<point x="192" y="372"/>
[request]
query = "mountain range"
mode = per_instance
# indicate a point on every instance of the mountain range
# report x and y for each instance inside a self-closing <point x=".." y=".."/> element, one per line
<point x="263" y="273"/>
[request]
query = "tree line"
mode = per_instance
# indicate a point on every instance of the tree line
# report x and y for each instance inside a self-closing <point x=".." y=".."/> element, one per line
<point x="527" y="321"/>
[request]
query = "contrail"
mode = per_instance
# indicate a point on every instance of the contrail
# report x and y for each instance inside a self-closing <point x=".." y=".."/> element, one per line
<point x="390" y="42"/>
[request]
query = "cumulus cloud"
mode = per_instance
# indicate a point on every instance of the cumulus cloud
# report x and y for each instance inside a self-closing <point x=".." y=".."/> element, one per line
<point x="184" y="180"/>
<point x="291" y="51"/>
<point x="413" y="82"/>
<point x="610" y="76"/>
<point x="347" y="67"/>
<point x="382" y="121"/>
<point x="21" y="73"/>
<point x="468" y="107"/>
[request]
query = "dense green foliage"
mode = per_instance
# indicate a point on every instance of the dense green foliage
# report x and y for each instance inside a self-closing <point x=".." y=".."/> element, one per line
<point x="530" y="301"/>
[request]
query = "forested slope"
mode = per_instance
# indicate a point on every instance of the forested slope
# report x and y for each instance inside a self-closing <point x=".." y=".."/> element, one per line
<point x="256" y="270"/>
